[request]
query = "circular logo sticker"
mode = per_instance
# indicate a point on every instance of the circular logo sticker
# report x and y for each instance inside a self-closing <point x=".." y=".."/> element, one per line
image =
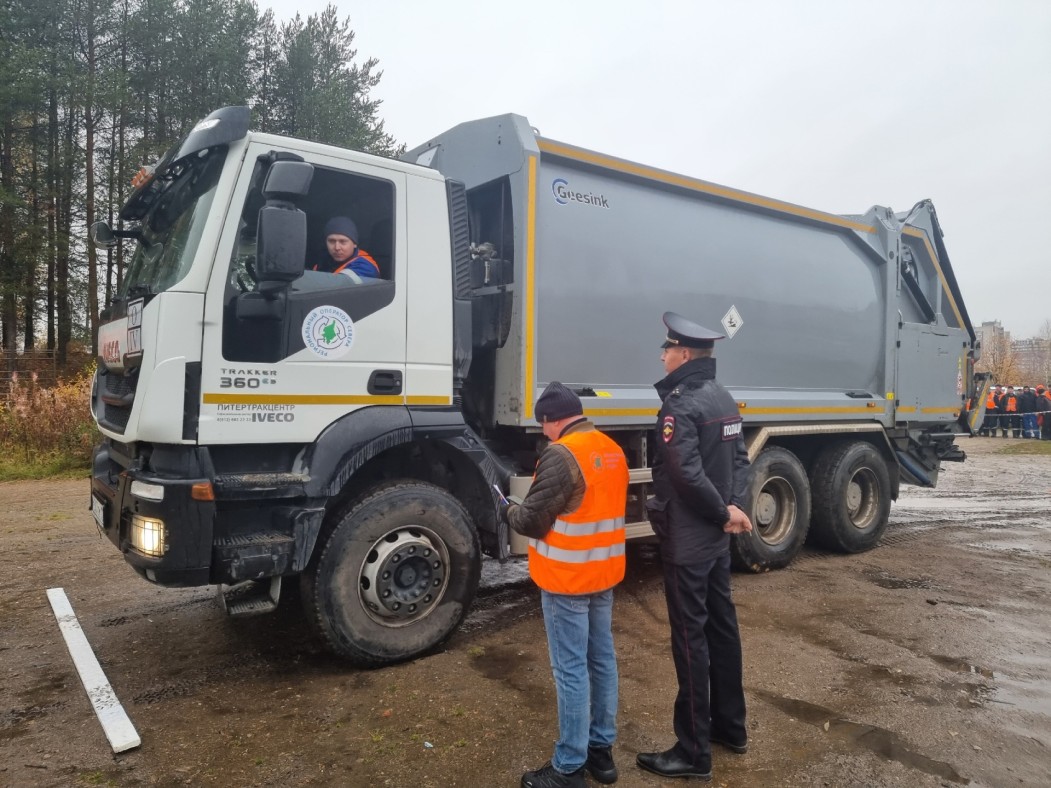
<point x="328" y="332"/>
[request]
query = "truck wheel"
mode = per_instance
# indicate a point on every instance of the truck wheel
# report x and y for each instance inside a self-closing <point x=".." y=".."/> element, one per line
<point x="851" y="497"/>
<point x="395" y="576"/>
<point x="779" y="507"/>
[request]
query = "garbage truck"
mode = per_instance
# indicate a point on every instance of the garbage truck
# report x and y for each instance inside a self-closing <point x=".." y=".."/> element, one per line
<point x="266" y="423"/>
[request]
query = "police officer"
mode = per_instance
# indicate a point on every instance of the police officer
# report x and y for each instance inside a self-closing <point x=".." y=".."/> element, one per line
<point x="700" y="477"/>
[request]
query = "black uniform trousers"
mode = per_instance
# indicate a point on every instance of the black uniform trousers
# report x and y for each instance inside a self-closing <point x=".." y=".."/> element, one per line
<point x="706" y="648"/>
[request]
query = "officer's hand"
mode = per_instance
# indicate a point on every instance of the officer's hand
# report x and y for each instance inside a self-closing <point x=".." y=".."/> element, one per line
<point x="738" y="522"/>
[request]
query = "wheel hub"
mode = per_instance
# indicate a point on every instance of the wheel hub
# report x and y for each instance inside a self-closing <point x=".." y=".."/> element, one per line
<point x="775" y="510"/>
<point x="862" y="499"/>
<point x="853" y="497"/>
<point x="404" y="575"/>
<point x="765" y="508"/>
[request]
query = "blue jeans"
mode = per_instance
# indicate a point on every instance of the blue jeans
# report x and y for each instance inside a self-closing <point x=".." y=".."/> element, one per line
<point x="1030" y="429"/>
<point x="580" y="641"/>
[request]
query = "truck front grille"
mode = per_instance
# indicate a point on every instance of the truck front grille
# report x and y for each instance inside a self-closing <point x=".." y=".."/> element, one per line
<point x="115" y="396"/>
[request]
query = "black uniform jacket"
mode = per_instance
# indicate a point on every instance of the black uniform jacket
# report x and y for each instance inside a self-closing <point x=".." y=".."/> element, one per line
<point x="700" y="466"/>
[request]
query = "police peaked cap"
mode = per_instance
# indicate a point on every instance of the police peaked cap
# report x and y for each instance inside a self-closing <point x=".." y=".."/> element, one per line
<point x="686" y="333"/>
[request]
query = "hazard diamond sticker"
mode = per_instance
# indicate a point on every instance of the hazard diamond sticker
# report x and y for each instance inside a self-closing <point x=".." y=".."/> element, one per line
<point x="732" y="322"/>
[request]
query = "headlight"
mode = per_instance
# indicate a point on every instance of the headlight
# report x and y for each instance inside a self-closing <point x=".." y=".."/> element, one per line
<point x="147" y="491"/>
<point x="147" y="536"/>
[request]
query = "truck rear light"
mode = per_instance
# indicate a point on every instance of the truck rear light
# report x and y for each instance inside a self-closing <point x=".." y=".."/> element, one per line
<point x="147" y="491"/>
<point x="147" y="536"/>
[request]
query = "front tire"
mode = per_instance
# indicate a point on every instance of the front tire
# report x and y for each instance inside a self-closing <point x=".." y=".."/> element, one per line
<point x="851" y="487"/>
<point x="779" y="508"/>
<point x="395" y="576"/>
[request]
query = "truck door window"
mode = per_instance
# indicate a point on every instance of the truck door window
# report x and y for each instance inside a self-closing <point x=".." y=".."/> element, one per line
<point x="369" y="202"/>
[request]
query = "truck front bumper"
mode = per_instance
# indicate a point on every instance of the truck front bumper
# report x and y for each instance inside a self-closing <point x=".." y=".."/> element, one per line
<point x="164" y="532"/>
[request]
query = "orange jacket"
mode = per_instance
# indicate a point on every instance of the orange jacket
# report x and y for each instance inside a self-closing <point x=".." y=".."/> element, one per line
<point x="583" y="553"/>
<point x="359" y="256"/>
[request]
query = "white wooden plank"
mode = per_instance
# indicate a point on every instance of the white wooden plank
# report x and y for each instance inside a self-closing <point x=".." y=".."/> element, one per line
<point x="115" y="722"/>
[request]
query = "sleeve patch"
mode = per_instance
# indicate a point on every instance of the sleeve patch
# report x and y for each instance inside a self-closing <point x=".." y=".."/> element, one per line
<point x="668" y="428"/>
<point x="732" y="429"/>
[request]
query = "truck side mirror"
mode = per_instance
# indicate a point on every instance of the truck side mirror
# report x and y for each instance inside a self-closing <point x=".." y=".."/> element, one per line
<point x="101" y="235"/>
<point x="281" y="235"/>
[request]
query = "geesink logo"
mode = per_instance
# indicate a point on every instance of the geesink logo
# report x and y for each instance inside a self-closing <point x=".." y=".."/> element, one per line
<point x="564" y="195"/>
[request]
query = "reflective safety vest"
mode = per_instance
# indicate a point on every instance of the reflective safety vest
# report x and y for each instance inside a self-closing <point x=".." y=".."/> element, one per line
<point x="583" y="553"/>
<point x="990" y="401"/>
<point x="361" y="255"/>
<point x="1011" y="406"/>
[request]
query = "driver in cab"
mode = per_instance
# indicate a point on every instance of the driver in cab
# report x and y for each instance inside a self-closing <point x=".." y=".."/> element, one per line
<point x="346" y="257"/>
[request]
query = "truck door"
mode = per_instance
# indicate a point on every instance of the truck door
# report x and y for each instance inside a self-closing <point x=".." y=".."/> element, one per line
<point x="932" y="373"/>
<point x="332" y="344"/>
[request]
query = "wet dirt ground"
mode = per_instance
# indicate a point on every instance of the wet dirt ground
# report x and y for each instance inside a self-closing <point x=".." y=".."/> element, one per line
<point x="926" y="662"/>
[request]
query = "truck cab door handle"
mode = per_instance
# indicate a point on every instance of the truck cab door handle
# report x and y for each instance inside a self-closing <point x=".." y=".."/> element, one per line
<point x="385" y="381"/>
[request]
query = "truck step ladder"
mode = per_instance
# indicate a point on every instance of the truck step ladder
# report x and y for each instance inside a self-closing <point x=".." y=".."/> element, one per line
<point x="251" y="597"/>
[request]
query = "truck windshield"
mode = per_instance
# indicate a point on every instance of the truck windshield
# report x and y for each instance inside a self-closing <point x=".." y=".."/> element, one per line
<point x="172" y="229"/>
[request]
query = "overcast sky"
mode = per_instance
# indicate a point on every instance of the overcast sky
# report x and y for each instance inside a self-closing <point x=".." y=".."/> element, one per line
<point x="829" y="104"/>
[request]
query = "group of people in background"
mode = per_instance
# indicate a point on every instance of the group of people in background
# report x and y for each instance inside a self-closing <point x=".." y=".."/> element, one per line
<point x="1021" y="413"/>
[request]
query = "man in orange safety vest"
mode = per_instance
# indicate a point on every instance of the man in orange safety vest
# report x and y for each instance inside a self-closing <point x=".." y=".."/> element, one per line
<point x="574" y="518"/>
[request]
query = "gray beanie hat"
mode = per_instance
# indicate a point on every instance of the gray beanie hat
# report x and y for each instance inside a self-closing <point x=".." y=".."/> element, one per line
<point x="557" y="402"/>
<point x="341" y="225"/>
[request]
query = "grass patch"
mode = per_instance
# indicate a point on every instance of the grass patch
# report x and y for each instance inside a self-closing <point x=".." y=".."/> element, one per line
<point x="1019" y="446"/>
<point x="52" y="467"/>
<point x="97" y="778"/>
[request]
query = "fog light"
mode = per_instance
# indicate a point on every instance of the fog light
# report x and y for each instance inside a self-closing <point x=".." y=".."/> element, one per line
<point x="147" y="536"/>
<point x="147" y="491"/>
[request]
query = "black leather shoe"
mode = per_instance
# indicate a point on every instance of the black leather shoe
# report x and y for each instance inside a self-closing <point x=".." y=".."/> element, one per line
<point x="600" y="764"/>
<point x="670" y="764"/>
<point x="740" y="749"/>
<point x="547" y="776"/>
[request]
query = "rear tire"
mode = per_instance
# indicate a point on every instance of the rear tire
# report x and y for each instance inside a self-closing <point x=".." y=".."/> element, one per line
<point x="779" y="507"/>
<point x="851" y="486"/>
<point x="395" y="575"/>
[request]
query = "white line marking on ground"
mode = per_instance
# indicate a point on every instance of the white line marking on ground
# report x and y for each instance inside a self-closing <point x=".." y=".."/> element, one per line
<point x="115" y="722"/>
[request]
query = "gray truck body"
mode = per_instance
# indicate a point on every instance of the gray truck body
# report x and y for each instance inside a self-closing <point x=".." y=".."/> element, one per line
<point x="830" y="330"/>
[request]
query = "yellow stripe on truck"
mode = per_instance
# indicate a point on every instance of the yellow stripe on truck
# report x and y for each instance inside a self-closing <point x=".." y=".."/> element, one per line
<point x="530" y="294"/>
<point x="745" y="411"/>
<point x="213" y="398"/>
<point x="694" y="184"/>
<point x="749" y="411"/>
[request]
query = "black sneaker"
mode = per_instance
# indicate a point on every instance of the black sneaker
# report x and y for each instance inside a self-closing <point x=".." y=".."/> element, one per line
<point x="600" y="764"/>
<point x="547" y="776"/>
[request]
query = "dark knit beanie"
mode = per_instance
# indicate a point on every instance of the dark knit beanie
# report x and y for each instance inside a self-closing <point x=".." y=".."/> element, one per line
<point x="557" y="402"/>
<point x="341" y="225"/>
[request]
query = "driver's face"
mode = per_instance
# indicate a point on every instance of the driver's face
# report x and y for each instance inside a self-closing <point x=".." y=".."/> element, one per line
<point x="340" y="247"/>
